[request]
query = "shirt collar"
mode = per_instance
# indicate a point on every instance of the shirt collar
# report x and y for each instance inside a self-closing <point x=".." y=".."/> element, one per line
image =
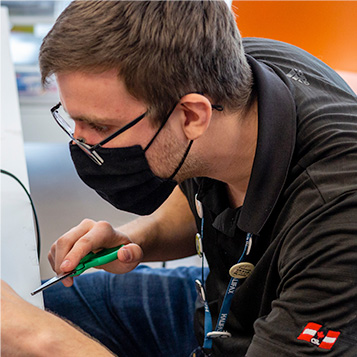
<point x="275" y="146"/>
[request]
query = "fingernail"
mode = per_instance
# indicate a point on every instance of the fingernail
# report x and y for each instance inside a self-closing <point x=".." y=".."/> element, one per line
<point x="65" y="264"/>
<point x="127" y="254"/>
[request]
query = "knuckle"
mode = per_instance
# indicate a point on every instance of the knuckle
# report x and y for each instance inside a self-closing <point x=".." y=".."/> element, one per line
<point x="84" y="245"/>
<point x="137" y="252"/>
<point x="61" y="243"/>
<point x="104" y="225"/>
<point x="84" y="241"/>
<point x="87" y="222"/>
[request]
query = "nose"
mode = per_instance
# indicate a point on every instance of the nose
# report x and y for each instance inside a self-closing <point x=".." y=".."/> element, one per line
<point x="78" y="130"/>
<point x="82" y="133"/>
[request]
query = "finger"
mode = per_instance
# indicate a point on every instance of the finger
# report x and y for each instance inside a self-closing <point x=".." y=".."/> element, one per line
<point x="65" y="243"/>
<point x="129" y="257"/>
<point x="79" y="250"/>
<point x="101" y="235"/>
<point x="67" y="282"/>
<point x="130" y="253"/>
<point x="51" y="260"/>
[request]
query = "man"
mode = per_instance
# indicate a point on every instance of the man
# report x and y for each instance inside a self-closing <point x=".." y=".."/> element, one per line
<point x="261" y="138"/>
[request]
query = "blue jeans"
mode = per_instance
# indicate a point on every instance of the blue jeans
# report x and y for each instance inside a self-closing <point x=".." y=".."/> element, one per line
<point x="147" y="312"/>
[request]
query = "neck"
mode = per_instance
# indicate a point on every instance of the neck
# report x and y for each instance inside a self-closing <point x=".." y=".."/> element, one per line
<point x="232" y="143"/>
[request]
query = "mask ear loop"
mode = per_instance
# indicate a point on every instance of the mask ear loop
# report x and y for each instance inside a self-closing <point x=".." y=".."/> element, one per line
<point x="182" y="160"/>
<point x="160" y="128"/>
<point x="157" y="133"/>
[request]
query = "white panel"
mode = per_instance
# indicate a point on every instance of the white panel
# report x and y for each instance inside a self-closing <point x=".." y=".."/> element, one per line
<point x="19" y="263"/>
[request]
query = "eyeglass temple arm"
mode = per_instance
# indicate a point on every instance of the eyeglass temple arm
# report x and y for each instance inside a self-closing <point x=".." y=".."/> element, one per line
<point x="124" y="128"/>
<point x="53" y="109"/>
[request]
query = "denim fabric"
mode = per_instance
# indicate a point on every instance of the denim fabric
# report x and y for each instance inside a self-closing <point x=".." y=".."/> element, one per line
<point x="147" y="312"/>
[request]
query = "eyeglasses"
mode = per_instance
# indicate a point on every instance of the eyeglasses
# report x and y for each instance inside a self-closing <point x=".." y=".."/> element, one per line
<point x="90" y="149"/>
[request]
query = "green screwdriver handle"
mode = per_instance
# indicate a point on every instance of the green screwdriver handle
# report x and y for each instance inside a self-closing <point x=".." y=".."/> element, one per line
<point x="92" y="260"/>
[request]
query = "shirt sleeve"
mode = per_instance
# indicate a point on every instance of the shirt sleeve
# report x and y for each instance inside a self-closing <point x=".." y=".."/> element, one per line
<point x="315" y="312"/>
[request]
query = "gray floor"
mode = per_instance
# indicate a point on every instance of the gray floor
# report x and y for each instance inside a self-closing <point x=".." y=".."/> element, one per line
<point x="62" y="200"/>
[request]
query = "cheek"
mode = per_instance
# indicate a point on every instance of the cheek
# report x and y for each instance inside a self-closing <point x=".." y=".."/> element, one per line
<point x="164" y="154"/>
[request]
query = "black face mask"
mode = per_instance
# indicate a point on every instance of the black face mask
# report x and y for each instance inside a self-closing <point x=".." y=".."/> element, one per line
<point x="125" y="179"/>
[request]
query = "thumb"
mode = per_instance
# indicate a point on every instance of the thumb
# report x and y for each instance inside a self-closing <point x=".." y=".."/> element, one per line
<point x="129" y="257"/>
<point x="130" y="253"/>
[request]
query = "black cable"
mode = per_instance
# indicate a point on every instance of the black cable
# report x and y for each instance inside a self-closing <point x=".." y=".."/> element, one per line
<point x="33" y="210"/>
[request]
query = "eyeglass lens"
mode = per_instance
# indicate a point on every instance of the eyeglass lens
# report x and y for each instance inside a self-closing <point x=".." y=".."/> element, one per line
<point x="64" y="120"/>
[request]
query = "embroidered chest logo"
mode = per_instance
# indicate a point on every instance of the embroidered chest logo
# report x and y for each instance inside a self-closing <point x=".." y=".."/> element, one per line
<point x="298" y="75"/>
<point x="323" y="339"/>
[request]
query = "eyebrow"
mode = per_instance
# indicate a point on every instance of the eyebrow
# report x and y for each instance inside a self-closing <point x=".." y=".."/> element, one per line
<point x="96" y="121"/>
<point x="116" y="122"/>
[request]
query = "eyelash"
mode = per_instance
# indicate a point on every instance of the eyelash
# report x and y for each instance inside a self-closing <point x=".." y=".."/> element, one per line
<point x="99" y="129"/>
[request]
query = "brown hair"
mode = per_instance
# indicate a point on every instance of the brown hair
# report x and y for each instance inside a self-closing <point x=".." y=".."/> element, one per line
<point x="161" y="49"/>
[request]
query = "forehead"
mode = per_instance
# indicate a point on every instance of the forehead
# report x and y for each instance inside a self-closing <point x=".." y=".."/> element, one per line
<point x="100" y="94"/>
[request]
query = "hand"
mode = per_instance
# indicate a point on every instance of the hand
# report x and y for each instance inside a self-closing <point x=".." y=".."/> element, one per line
<point x="88" y="236"/>
<point x="29" y="331"/>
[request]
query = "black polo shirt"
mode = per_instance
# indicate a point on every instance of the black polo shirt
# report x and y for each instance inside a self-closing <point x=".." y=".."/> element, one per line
<point x="300" y="206"/>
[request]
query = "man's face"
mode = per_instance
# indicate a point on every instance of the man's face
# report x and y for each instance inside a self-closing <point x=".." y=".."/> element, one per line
<point x="100" y="105"/>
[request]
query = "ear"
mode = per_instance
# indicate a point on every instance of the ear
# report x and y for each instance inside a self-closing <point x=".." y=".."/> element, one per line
<point x="197" y="111"/>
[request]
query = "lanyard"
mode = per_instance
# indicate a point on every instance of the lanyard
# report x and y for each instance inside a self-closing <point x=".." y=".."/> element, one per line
<point x="231" y="288"/>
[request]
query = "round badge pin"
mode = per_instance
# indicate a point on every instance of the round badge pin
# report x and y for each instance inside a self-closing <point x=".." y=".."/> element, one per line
<point x="219" y="334"/>
<point x="241" y="270"/>
<point x="199" y="248"/>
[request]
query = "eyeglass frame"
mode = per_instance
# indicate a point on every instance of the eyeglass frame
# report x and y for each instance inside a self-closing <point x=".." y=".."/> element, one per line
<point x="90" y="149"/>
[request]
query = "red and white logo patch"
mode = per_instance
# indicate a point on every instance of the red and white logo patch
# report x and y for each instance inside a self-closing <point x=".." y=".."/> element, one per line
<point x="312" y="333"/>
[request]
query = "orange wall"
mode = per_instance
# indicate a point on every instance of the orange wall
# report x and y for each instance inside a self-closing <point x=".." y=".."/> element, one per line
<point x="327" y="29"/>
